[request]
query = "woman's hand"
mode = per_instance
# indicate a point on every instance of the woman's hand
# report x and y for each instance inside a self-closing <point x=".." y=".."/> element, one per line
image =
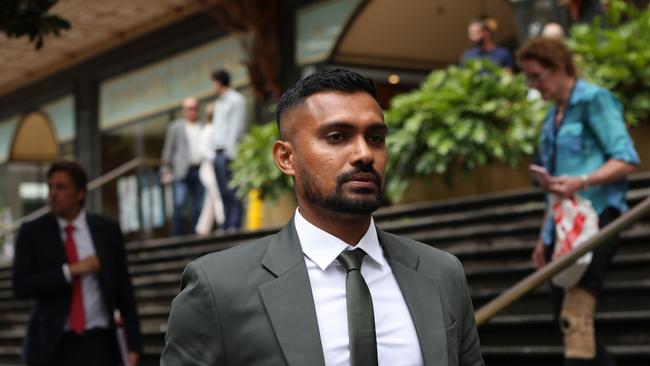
<point x="566" y="186"/>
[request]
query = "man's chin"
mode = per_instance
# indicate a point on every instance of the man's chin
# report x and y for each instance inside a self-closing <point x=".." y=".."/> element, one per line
<point x="357" y="206"/>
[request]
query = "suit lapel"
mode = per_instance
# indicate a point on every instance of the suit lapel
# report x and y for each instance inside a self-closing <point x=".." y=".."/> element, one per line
<point x="183" y="142"/>
<point x="53" y="231"/>
<point x="100" y="245"/>
<point x="422" y="296"/>
<point x="288" y="300"/>
<point x="98" y="240"/>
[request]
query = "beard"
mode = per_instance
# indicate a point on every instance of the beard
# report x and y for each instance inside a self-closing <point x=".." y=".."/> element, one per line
<point x="338" y="201"/>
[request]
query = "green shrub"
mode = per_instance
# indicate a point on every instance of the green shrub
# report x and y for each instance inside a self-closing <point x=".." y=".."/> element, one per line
<point x="617" y="56"/>
<point x="253" y="166"/>
<point x="472" y="115"/>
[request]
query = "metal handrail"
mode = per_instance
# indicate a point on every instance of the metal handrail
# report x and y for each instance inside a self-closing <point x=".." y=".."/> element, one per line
<point x="92" y="185"/>
<point x="517" y="291"/>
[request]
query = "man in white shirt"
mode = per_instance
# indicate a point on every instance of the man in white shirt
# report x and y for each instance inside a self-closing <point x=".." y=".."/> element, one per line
<point x="73" y="264"/>
<point x="181" y="158"/>
<point x="229" y="120"/>
<point x="329" y="288"/>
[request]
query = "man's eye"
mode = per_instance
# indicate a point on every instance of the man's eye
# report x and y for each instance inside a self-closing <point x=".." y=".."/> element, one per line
<point x="377" y="139"/>
<point x="335" y="137"/>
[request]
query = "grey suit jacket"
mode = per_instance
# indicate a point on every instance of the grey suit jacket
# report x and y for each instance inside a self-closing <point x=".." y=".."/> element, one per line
<point x="253" y="305"/>
<point x="176" y="151"/>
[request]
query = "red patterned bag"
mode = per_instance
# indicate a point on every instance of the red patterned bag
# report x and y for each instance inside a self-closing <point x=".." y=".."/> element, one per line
<point x="576" y="221"/>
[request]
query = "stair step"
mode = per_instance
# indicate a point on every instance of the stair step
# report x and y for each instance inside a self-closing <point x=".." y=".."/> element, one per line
<point x="617" y="351"/>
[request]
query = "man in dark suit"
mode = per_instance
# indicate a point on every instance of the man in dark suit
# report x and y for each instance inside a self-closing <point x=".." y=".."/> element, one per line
<point x="73" y="264"/>
<point x="329" y="288"/>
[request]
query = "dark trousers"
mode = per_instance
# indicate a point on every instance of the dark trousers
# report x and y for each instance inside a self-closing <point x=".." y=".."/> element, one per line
<point x="591" y="281"/>
<point x="190" y="185"/>
<point x="96" y="347"/>
<point x="232" y="205"/>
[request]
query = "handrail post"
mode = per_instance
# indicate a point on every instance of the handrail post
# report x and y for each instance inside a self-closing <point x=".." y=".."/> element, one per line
<point x="141" y="185"/>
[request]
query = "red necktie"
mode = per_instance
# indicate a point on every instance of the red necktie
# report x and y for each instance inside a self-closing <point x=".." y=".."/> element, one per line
<point x="77" y="320"/>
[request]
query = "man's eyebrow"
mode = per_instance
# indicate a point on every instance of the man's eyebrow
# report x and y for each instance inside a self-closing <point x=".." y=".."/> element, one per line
<point x="377" y="126"/>
<point x="332" y="125"/>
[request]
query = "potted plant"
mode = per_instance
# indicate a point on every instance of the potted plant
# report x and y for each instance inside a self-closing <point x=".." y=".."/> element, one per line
<point x="470" y="116"/>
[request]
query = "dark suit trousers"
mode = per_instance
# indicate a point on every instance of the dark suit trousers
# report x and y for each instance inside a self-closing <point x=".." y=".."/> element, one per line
<point x="232" y="205"/>
<point x="591" y="281"/>
<point x="95" y="347"/>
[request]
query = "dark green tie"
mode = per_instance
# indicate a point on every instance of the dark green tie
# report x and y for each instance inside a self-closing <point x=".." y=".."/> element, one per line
<point x="361" y="320"/>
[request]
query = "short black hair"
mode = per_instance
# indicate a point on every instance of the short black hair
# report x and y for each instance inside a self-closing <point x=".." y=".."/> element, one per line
<point x="336" y="79"/>
<point x="74" y="170"/>
<point x="221" y="76"/>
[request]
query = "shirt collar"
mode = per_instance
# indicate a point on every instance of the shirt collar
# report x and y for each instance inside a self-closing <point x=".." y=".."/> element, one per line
<point x="225" y="94"/>
<point x="577" y="92"/>
<point x="79" y="222"/>
<point x="323" y="248"/>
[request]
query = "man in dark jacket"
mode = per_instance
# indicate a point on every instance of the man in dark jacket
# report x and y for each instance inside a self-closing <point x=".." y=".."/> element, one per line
<point x="73" y="264"/>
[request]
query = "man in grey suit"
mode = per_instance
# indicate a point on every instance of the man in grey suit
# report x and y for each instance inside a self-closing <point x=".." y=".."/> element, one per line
<point x="182" y="154"/>
<point x="329" y="288"/>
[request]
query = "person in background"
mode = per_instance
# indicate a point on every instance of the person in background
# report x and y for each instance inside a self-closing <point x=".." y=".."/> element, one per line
<point x="330" y="288"/>
<point x="553" y="30"/>
<point x="73" y="264"/>
<point x="181" y="153"/>
<point x="480" y="33"/>
<point x="229" y="120"/>
<point x="212" y="206"/>
<point x="586" y="149"/>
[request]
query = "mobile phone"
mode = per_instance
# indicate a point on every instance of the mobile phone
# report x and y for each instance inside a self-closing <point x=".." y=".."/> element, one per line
<point x="541" y="174"/>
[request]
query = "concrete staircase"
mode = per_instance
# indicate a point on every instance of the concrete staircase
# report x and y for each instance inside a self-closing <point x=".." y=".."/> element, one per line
<point x="493" y="235"/>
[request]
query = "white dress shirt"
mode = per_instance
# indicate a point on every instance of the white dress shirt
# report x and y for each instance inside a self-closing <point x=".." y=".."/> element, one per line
<point x="193" y="133"/>
<point x="397" y="341"/>
<point x="229" y="120"/>
<point x="94" y="307"/>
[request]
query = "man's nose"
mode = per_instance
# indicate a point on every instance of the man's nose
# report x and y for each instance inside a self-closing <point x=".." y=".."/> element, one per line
<point x="363" y="153"/>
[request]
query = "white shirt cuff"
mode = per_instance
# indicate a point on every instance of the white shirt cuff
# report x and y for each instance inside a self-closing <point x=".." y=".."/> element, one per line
<point x="66" y="272"/>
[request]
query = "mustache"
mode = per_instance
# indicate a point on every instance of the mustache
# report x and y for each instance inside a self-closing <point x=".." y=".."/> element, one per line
<point x="360" y="170"/>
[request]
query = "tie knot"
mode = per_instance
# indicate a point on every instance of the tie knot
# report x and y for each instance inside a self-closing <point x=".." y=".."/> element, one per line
<point x="351" y="259"/>
<point x="69" y="229"/>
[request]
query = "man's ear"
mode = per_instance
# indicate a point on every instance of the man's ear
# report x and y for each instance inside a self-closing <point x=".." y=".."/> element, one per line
<point x="283" y="157"/>
<point x="81" y="195"/>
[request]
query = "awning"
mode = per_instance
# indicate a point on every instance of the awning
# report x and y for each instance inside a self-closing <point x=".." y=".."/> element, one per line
<point x="417" y="34"/>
